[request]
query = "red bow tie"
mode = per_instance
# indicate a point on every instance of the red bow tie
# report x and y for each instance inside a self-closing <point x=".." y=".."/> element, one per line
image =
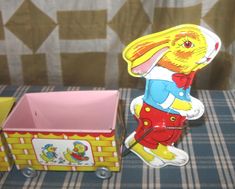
<point x="182" y="80"/>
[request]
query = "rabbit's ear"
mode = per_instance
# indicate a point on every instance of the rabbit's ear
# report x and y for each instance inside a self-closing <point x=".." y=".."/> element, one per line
<point x="147" y="65"/>
<point x="142" y="55"/>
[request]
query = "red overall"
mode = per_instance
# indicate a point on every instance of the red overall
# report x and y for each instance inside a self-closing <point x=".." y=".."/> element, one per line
<point x="150" y="117"/>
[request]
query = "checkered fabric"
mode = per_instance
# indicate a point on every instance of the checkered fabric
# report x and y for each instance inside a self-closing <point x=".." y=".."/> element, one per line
<point x="57" y="42"/>
<point x="210" y="143"/>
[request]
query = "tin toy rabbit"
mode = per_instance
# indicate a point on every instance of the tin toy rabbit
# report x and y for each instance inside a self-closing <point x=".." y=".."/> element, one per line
<point x="168" y="60"/>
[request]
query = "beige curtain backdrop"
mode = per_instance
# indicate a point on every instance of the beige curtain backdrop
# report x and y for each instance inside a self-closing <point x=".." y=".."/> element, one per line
<point x="79" y="42"/>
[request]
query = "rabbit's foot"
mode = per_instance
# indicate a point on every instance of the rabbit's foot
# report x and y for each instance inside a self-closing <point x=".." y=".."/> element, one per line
<point x="163" y="152"/>
<point x="147" y="157"/>
<point x="171" y="155"/>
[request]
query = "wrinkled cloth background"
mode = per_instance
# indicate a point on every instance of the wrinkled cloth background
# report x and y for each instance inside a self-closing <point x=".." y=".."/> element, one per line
<point x="79" y="42"/>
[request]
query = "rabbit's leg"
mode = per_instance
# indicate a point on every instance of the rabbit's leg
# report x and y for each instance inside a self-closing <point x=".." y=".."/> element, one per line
<point x="163" y="152"/>
<point x="170" y="155"/>
<point x="138" y="149"/>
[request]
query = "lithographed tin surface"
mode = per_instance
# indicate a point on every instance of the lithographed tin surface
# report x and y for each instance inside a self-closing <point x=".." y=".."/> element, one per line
<point x="64" y="151"/>
<point x="6" y="161"/>
<point x="67" y="131"/>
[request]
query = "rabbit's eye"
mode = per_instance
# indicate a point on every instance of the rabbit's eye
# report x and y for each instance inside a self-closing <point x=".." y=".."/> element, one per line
<point x="188" y="44"/>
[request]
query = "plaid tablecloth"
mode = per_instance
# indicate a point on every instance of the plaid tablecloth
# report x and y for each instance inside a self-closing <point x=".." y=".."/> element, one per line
<point x="210" y="143"/>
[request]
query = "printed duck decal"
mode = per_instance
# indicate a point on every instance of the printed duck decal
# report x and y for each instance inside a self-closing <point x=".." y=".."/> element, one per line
<point x="49" y="153"/>
<point x="78" y="154"/>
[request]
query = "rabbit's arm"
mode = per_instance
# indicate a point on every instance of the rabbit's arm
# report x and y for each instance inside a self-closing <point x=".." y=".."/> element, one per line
<point x="168" y="101"/>
<point x="136" y="105"/>
<point x="172" y="102"/>
<point x="181" y="105"/>
<point x="181" y="99"/>
<point x="196" y="111"/>
<point x="160" y="94"/>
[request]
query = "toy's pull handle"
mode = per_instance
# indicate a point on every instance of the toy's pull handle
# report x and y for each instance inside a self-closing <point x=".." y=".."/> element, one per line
<point x="148" y="131"/>
<point x="127" y="150"/>
<point x="176" y="128"/>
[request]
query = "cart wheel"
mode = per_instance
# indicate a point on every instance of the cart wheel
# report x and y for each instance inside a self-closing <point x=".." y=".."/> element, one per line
<point x="29" y="172"/>
<point x="103" y="173"/>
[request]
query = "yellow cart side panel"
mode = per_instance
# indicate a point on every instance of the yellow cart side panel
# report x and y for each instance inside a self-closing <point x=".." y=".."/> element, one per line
<point x="116" y="169"/>
<point x="57" y="168"/>
<point x="25" y="157"/>
<point x="5" y="167"/>
<point x="21" y="161"/>
<point x="13" y="140"/>
<point x="17" y="152"/>
<point x="105" y="164"/>
<point x="21" y="146"/>
<point x="50" y="136"/>
<point x="109" y="149"/>
<point x="18" y="135"/>
<point x="25" y="153"/>
<point x="106" y="138"/>
<point x="103" y="154"/>
<point x="61" y="168"/>
<point x="111" y="159"/>
<point x="6" y="161"/>
<point x="100" y="143"/>
<point x="4" y="164"/>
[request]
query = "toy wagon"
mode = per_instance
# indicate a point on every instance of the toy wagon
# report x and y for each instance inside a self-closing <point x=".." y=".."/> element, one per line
<point x="66" y="131"/>
<point x="6" y="161"/>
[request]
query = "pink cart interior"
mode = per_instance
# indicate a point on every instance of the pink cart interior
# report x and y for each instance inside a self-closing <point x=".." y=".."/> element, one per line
<point x="77" y="111"/>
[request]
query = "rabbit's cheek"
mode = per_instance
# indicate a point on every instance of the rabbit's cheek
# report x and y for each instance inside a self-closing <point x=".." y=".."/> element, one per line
<point x="167" y="63"/>
<point x="183" y="55"/>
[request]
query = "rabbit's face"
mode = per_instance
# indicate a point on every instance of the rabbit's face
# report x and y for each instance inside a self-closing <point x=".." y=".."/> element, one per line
<point x="186" y="49"/>
<point x="181" y="49"/>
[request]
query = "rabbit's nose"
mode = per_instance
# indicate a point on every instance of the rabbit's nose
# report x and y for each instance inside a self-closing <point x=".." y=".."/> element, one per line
<point x="216" y="46"/>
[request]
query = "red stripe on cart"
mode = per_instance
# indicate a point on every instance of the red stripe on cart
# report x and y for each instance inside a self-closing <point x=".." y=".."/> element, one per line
<point x="62" y="133"/>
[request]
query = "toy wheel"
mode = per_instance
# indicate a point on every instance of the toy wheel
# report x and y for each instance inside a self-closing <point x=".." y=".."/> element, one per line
<point x="29" y="172"/>
<point x="103" y="173"/>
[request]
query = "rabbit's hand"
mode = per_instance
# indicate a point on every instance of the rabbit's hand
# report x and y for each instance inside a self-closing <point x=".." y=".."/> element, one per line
<point x="197" y="109"/>
<point x="137" y="110"/>
<point x="136" y="106"/>
<point x="181" y="105"/>
<point x="191" y="110"/>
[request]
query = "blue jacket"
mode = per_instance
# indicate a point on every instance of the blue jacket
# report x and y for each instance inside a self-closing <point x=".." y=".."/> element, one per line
<point x="158" y="90"/>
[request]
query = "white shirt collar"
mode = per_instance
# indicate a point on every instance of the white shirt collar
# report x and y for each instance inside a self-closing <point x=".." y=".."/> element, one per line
<point x="161" y="73"/>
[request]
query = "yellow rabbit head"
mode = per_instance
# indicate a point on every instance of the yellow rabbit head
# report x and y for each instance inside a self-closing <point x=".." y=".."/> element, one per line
<point x="182" y="49"/>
